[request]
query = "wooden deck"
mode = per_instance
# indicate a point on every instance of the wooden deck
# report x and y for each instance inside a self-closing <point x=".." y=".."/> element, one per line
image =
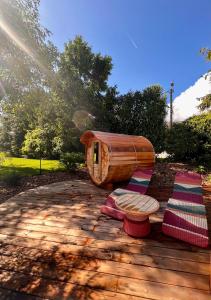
<point x="55" y="244"/>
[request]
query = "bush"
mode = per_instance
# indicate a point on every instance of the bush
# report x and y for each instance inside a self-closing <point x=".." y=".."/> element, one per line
<point x="201" y="170"/>
<point x="71" y="160"/>
<point x="181" y="143"/>
<point x="11" y="179"/>
<point x="191" y="140"/>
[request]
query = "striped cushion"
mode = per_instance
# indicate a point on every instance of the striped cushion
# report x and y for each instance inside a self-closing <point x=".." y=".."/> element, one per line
<point x="188" y="188"/>
<point x="185" y="215"/>
<point x="189" y="197"/>
<point x="188" y="207"/>
<point x="138" y="184"/>
<point x="139" y="181"/>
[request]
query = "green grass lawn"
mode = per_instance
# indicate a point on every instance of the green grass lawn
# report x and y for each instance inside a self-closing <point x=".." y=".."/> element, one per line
<point x="25" y="166"/>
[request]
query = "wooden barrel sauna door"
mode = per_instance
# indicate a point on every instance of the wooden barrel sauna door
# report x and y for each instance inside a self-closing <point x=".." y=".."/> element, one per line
<point x="97" y="161"/>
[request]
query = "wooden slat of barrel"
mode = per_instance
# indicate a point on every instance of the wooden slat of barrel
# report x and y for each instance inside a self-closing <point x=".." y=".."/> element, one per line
<point x="131" y="162"/>
<point x="120" y="173"/>
<point x="138" y="158"/>
<point x="141" y="154"/>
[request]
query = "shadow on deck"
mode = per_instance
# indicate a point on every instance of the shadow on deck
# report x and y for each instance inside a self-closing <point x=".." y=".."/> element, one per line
<point x="55" y="244"/>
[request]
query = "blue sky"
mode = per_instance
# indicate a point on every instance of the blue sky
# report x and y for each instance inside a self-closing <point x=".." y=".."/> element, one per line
<point x="150" y="41"/>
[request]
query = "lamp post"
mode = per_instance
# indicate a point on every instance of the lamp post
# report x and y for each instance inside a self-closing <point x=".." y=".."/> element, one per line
<point x="171" y="103"/>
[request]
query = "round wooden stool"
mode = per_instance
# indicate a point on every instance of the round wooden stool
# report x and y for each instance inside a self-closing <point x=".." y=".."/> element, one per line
<point x="137" y="208"/>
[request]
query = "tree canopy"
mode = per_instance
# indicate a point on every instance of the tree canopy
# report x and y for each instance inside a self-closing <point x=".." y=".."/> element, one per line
<point x="142" y="113"/>
<point x="48" y="98"/>
<point x="191" y="140"/>
<point x="205" y="103"/>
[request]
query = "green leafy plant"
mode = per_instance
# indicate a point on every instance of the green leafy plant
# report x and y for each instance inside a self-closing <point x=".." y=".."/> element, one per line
<point x="181" y="143"/>
<point x="190" y="141"/>
<point x="11" y="179"/>
<point x="201" y="169"/>
<point x="71" y="160"/>
<point x="205" y="103"/>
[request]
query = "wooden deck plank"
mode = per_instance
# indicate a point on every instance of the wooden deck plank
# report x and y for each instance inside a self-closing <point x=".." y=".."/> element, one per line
<point x="55" y="244"/>
<point x="55" y="290"/>
<point x="35" y="238"/>
<point x="92" y="253"/>
<point x="82" y="228"/>
<point x="52" y="289"/>
<point x="152" y="290"/>
<point x="6" y="294"/>
<point x="153" y="251"/>
<point x="78" y="268"/>
<point x="51" y="237"/>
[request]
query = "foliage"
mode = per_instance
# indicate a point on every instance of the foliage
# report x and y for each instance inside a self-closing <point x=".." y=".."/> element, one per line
<point x="80" y="66"/>
<point x="71" y="160"/>
<point x="181" y="143"/>
<point x="191" y="139"/>
<point x="38" y="143"/>
<point x="201" y="169"/>
<point x="27" y="58"/>
<point x="205" y="103"/>
<point x="206" y="52"/>
<point x="143" y="113"/>
<point x="48" y="98"/>
<point x="83" y="77"/>
<point x="11" y="178"/>
<point x="27" y="69"/>
<point x="55" y="117"/>
<point x="201" y="127"/>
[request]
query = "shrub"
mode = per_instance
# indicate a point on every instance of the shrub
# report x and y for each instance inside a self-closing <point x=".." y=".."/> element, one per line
<point x="71" y="160"/>
<point x="11" y="179"/>
<point x="181" y="143"/>
<point x="201" y="170"/>
<point x="191" y="140"/>
<point x="39" y="143"/>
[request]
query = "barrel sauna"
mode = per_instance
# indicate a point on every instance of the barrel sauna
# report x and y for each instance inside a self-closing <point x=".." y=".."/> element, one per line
<point x="112" y="157"/>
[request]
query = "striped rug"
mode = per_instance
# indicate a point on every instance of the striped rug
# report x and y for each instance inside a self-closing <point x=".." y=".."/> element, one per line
<point x="138" y="184"/>
<point x="185" y="215"/>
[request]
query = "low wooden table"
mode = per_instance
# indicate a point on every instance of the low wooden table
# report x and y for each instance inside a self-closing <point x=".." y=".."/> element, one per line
<point x="137" y="208"/>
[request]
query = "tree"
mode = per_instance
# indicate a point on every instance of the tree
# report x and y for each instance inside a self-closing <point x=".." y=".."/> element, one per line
<point x="27" y="57"/>
<point x="205" y="103"/>
<point x="206" y="100"/>
<point x="38" y="143"/>
<point x="83" y="76"/>
<point x="27" y="69"/>
<point x="181" y="143"/>
<point x="143" y="113"/>
<point x="51" y="98"/>
<point x="75" y="103"/>
<point x="191" y="140"/>
<point x="206" y="52"/>
<point x="83" y="88"/>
